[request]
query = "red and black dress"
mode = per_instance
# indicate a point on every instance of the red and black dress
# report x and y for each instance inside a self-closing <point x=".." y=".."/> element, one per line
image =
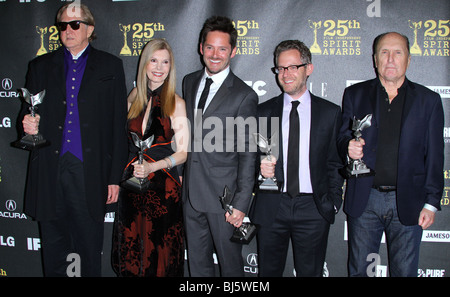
<point x="148" y="227"/>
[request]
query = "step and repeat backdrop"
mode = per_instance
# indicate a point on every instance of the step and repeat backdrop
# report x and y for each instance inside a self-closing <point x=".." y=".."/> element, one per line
<point x="339" y="34"/>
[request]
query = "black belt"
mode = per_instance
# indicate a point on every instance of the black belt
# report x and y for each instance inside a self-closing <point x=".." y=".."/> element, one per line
<point x="385" y="188"/>
<point x="300" y="194"/>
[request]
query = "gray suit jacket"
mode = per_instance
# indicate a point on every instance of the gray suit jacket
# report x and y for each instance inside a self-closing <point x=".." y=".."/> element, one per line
<point x="217" y="157"/>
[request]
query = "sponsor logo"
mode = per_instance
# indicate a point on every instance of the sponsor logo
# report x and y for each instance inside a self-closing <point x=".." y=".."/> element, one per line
<point x="11" y="205"/>
<point x="33" y="244"/>
<point x="8" y="241"/>
<point x="436" y="236"/>
<point x="7" y="85"/>
<point x="252" y="263"/>
<point x="431" y="272"/>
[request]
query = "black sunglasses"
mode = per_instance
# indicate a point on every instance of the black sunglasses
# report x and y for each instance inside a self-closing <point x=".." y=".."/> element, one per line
<point x="75" y="25"/>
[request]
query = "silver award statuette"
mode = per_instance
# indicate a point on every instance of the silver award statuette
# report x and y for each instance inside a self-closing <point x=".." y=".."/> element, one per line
<point x="31" y="142"/>
<point x="357" y="168"/>
<point x="245" y="233"/>
<point x="265" y="145"/>
<point x="139" y="185"/>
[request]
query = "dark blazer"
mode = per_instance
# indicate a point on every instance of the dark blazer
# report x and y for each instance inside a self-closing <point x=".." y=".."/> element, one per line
<point x="207" y="173"/>
<point x="102" y="110"/>
<point x="421" y="148"/>
<point x="323" y="158"/>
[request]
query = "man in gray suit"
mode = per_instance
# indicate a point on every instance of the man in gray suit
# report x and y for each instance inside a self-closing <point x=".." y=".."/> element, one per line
<point x="219" y="155"/>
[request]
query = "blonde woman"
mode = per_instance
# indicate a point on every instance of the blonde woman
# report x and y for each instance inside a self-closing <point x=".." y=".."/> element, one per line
<point x="148" y="231"/>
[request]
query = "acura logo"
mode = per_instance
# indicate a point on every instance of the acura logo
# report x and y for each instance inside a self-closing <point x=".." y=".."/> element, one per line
<point x="252" y="259"/>
<point x="11" y="205"/>
<point x="7" y="84"/>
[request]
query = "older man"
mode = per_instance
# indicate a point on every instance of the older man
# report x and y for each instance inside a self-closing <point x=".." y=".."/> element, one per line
<point x="405" y="147"/>
<point x="83" y="115"/>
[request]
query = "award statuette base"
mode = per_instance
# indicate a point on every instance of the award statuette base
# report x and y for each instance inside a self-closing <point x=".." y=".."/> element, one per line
<point x="137" y="185"/>
<point x="245" y="233"/>
<point x="31" y="142"/>
<point x="269" y="185"/>
<point x="351" y="171"/>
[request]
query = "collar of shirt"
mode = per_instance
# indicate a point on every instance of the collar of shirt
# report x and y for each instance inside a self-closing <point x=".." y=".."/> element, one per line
<point x="305" y="100"/>
<point x="75" y="57"/>
<point x="218" y="80"/>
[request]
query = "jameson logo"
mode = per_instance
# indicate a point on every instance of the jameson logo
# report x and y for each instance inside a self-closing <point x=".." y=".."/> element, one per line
<point x="335" y="37"/>
<point x="140" y="34"/>
<point x="436" y="236"/>
<point x="430" y="38"/>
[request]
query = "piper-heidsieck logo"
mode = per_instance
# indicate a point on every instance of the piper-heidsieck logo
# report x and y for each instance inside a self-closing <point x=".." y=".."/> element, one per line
<point x="140" y="34"/>
<point x="336" y="37"/>
<point x="431" y="38"/>
<point x="247" y="41"/>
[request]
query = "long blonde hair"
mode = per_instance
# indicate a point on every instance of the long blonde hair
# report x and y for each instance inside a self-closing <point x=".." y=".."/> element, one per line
<point x="168" y="91"/>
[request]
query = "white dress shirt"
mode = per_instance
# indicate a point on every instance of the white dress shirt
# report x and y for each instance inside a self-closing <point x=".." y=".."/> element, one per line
<point x="218" y="79"/>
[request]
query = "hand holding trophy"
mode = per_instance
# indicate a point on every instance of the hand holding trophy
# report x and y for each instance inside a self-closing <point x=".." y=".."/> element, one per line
<point x="265" y="145"/>
<point x="139" y="185"/>
<point x="32" y="141"/>
<point x="245" y="233"/>
<point x="357" y="168"/>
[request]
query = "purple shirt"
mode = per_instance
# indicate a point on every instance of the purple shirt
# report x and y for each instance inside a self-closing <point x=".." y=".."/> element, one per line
<point x="74" y="74"/>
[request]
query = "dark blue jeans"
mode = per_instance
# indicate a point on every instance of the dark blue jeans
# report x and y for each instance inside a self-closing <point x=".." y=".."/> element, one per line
<point x="365" y="232"/>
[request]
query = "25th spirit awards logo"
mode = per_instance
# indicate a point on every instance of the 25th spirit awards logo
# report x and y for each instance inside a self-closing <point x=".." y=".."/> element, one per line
<point x="141" y="33"/>
<point x="247" y="41"/>
<point x="49" y="39"/>
<point x="336" y="37"/>
<point x="431" y="38"/>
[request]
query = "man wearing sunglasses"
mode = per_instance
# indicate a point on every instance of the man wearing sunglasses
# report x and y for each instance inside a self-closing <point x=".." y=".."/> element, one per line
<point x="305" y="161"/>
<point x="83" y="115"/>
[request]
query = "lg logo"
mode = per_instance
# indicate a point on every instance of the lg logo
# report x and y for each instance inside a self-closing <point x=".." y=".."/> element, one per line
<point x="6" y="123"/>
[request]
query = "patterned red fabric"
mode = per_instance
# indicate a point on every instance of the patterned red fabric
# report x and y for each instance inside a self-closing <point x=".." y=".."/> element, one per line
<point x="148" y="227"/>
